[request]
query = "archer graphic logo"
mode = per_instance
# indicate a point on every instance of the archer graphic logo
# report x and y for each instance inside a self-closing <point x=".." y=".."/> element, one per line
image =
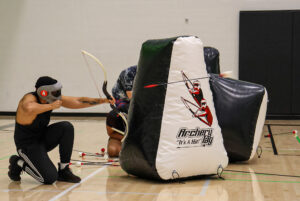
<point x="199" y="110"/>
<point x="187" y="138"/>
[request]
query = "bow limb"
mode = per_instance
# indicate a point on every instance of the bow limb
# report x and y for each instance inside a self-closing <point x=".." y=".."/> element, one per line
<point x="90" y="70"/>
<point x="97" y="61"/>
<point x="104" y="86"/>
<point x="104" y="89"/>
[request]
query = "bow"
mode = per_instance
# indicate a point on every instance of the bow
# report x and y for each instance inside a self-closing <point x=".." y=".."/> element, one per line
<point x="104" y="89"/>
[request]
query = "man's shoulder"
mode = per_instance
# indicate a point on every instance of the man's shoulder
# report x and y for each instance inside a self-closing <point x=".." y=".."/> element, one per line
<point x="129" y="70"/>
<point x="132" y="69"/>
<point x="29" y="97"/>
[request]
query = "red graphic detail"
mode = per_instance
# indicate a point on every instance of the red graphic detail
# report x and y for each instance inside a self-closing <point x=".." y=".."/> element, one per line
<point x="196" y="92"/>
<point x="44" y="93"/>
<point x="201" y="110"/>
<point x="204" y="111"/>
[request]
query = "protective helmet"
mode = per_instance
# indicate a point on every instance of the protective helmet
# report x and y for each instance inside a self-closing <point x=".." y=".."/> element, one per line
<point x="48" y="89"/>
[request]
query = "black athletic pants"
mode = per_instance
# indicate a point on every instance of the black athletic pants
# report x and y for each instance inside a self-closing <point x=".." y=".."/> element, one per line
<point x="37" y="162"/>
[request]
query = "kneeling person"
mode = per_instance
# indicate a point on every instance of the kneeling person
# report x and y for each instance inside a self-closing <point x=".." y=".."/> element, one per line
<point x="34" y="137"/>
<point x="122" y="92"/>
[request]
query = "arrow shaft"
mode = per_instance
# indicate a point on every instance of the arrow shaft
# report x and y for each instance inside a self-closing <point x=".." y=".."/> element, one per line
<point x="199" y="78"/>
<point x="161" y="84"/>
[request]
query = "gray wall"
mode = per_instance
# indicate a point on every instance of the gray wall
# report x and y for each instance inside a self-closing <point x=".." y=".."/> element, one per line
<point x="44" y="37"/>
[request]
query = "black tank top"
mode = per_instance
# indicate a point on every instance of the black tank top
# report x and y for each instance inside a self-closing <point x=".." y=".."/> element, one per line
<point x="28" y="134"/>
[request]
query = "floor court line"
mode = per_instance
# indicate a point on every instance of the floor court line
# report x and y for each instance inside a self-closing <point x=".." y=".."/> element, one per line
<point x="36" y="191"/>
<point x="205" y="187"/>
<point x="7" y="126"/>
<point x="75" y="185"/>
<point x="102" y="192"/>
<point x="5" y="157"/>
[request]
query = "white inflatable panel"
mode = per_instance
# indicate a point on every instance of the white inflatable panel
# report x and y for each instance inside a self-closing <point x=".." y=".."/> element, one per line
<point x="187" y="145"/>
<point x="260" y="124"/>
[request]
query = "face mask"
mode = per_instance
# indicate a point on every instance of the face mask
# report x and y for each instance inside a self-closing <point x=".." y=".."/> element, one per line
<point x="50" y="93"/>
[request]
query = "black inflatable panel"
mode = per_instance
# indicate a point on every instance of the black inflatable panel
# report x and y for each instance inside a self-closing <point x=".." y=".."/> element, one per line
<point x="141" y="145"/>
<point x="134" y="162"/>
<point x="237" y="105"/>
<point x="211" y="57"/>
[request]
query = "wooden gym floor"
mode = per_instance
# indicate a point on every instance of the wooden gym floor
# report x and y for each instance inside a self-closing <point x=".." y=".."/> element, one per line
<point x="113" y="184"/>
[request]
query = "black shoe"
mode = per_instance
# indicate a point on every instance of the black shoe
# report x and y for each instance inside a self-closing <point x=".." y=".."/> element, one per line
<point x="14" y="170"/>
<point x="67" y="175"/>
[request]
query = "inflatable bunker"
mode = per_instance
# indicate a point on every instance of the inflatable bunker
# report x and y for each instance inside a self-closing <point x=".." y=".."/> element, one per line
<point x="241" y="111"/>
<point x="173" y="128"/>
<point x="184" y="122"/>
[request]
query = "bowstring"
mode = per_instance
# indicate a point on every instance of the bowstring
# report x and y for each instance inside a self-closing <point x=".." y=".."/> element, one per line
<point x="105" y="78"/>
<point x="93" y="78"/>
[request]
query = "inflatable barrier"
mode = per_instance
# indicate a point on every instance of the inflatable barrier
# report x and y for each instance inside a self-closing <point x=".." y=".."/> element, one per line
<point x="173" y="128"/>
<point x="241" y="110"/>
<point x="184" y="121"/>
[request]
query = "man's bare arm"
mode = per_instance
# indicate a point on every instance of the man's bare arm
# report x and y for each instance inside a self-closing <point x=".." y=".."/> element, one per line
<point x="30" y="105"/>
<point x="82" y="102"/>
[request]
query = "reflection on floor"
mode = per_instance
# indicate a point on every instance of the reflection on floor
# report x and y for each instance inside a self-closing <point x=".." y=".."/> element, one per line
<point x="112" y="183"/>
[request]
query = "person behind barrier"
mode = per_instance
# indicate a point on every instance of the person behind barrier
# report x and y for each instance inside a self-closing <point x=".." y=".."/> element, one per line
<point x="34" y="137"/>
<point x="122" y="92"/>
